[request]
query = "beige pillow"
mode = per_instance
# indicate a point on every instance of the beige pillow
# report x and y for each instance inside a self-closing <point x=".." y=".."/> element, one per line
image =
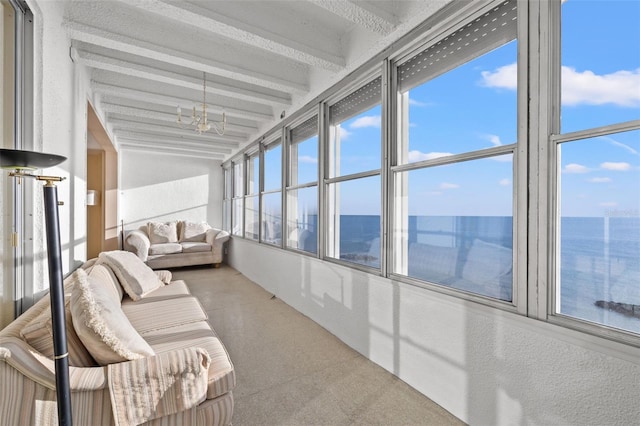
<point x="105" y="275"/>
<point x="193" y="232"/>
<point x="160" y="233"/>
<point x="134" y="275"/>
<point x="101" y="325"/>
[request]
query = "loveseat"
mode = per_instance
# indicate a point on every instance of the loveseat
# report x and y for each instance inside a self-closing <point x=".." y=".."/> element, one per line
<point x="177" y="243"/>
<point x="140" y="351"/>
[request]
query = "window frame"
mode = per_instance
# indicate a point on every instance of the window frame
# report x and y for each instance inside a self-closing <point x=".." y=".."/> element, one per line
<point x="270" y="142"/>
<point x="519" y="150"/>
<point x="534" y="165"/>
<point x="327" y="181"/>
<point x="289" y="172"/>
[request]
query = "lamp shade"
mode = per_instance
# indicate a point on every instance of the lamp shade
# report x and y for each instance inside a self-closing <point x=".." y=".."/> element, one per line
<point x="17" y="159"/>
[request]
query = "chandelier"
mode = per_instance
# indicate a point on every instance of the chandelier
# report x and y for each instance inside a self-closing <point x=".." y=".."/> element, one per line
<point x="199" y="118"/>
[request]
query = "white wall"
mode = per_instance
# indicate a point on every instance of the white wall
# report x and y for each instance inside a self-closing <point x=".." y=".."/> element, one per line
<point x="61" y="90"/>
<point x="163" y="187"/>
<point x="486" y="366"/>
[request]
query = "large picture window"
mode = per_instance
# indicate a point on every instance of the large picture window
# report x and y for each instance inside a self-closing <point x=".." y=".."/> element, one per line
<point x="353" y="184"/>
<point x="302" y="187"/>
<point x="454" y="165"/>
<point x="598" y="166"/>
<point x="272" y="193"/>
<point x="252" y="199"/>
<point x="237" y="224"/>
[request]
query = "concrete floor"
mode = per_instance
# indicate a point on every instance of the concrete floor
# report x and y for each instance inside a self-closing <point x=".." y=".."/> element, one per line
<point x="291" y="371"/>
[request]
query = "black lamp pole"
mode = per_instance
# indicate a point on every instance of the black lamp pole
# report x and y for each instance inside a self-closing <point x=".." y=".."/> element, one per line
<point x="56" y="293"/>
<point x="22" y="162"/>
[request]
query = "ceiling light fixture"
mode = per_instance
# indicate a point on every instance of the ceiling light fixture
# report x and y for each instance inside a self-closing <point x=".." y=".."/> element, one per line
<point x="199" y="120"/>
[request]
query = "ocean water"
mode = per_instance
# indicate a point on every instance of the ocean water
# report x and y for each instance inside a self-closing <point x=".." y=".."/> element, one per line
<point x="599" y="259"/>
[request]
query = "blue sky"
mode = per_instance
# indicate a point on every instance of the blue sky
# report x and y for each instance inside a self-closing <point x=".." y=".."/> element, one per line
<point x="474" y="107"/>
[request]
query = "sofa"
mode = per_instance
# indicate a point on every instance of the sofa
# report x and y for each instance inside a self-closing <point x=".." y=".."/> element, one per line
<point x="177" y="243"/>
<point x="141" y="350"/>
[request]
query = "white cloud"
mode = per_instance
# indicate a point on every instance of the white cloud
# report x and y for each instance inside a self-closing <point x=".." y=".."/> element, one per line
<point x="619" y="167"/>
<point x="308" y="159"/>
<point x="575" y="168"/>
<point x="609" y="204"/>
<point x="494" y="139"/>
<point x="618" y="88"/>
<point x="418" y="103"/>
<point x="504" y="182"/>
<point x="619" y="144"/>
<point x="579" y="87"/>
<point x="422" y="156"/>
<point x="600" y="180"/>
<point x="344" y="133"/>
<point x="447" y="185"/>
<point x="367" y="121"/>
<point x="505" y="77"/>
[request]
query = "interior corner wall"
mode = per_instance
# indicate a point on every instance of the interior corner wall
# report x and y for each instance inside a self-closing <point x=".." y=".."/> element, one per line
<point x="484" y="365"/>
<point x="61" y="90"/>
<point x="164" y="187"/>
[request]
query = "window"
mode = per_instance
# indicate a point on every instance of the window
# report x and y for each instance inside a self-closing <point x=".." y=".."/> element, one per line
<point x="302" y="188"/>
<point x="236" y="207"/>
<point x="353" y="186"/>
<point x="226" y="199"/>
<point x="598" y="166"/>
<point x="272" y="193"/>
<point x="454" y="159"/>
<point x="251" y="200"/>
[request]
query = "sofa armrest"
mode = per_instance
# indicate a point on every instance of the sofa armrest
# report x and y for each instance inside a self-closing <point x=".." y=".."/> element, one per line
<point x="31" y="364"/>
<point x="216" y="237"/>
<point x="168" y="383"/>
<point x="138" y="243"/>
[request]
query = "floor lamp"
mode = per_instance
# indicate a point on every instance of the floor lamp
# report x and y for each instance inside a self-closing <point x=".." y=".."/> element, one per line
<point x="22" y="164"/>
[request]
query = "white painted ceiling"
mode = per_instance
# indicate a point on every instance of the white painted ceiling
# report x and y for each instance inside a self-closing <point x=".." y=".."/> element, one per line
<point x="261" y="58"/>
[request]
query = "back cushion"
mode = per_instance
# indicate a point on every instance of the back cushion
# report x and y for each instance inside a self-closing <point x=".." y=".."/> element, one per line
<point x="160" y="233"/>
<point x="134" y="275"/>
<point x="39" y="335"/>
<point x="101" y="325"/>
<point x="105" y="275"/>
<point x="193" y="232"/>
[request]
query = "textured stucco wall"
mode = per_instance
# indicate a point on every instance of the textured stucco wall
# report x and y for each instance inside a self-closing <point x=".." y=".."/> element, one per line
<point x="61" y="90"/>
<point x="486" y="366"/>
<point x="163" y="187"/>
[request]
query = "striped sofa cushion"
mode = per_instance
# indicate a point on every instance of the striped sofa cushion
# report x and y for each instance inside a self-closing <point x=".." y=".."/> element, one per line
<point x="222" y="377"/>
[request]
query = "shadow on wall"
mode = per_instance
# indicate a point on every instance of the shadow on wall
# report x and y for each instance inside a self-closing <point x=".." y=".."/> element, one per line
<point x="165" y="187"/>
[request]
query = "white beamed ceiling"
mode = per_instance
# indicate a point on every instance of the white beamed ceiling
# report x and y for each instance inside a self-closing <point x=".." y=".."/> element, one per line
<point x="262" y="58"/>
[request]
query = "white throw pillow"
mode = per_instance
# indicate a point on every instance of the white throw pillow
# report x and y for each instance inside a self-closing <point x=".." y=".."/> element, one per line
<point x="134" y="275"/>
<point x="101" y="325"/>
<point x="193" y="232"/>
<point x="162" y="232"/>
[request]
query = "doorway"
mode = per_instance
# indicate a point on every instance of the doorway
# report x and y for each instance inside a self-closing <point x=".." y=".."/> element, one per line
<point x="102" y="188"/>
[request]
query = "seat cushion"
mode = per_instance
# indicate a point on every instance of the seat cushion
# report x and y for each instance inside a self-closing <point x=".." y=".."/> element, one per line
<point x="101" y="325"/>
<point x="163" y="313"/>
<point x="165" y="248"/>
<point x="195" y="247"/>
<point x="222" y="378"/>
